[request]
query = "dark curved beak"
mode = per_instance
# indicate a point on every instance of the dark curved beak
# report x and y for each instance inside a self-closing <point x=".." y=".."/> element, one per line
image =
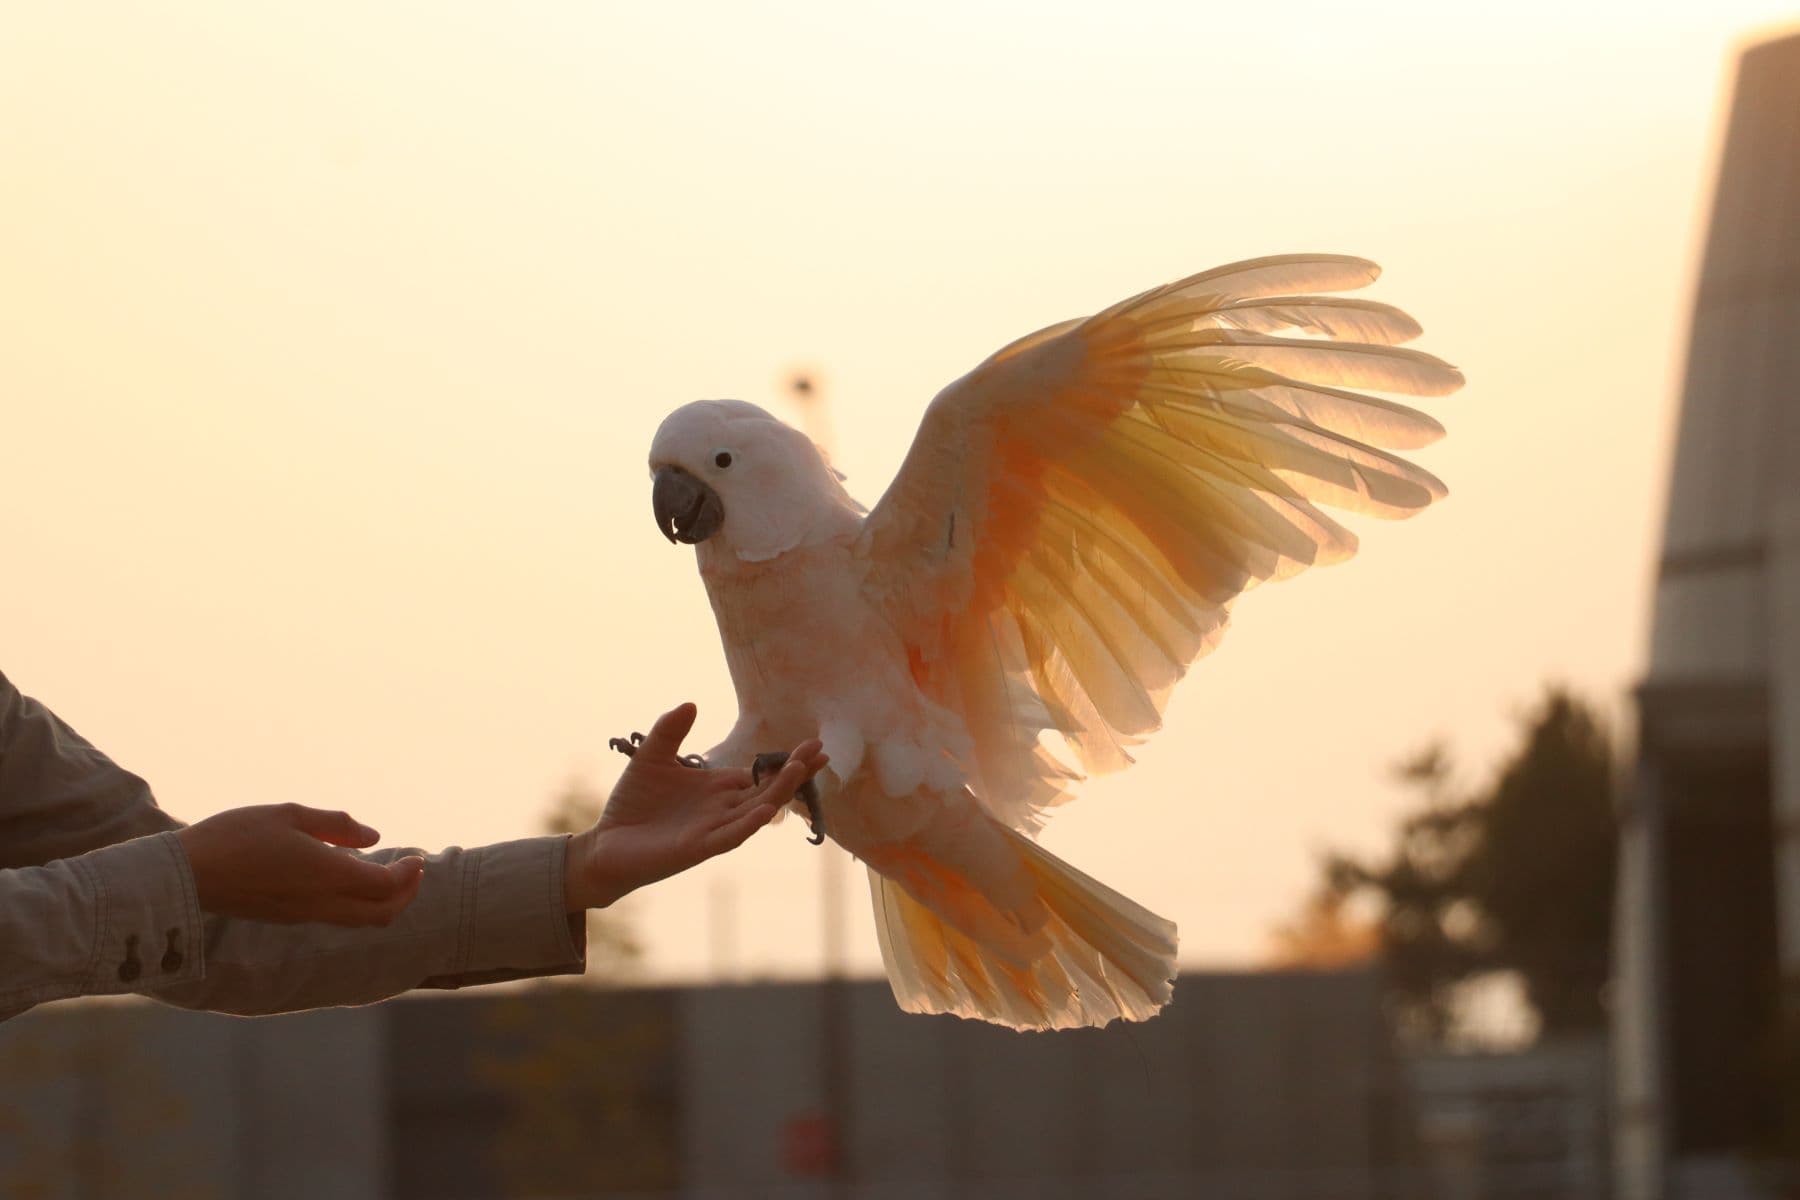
<point x="687" y="510"/>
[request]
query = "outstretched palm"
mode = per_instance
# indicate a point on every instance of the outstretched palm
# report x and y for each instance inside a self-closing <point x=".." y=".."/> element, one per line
<point x="664" y="817"/>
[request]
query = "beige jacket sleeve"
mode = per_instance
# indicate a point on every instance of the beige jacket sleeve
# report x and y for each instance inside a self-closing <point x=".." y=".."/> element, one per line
<point x="96" y="896"/>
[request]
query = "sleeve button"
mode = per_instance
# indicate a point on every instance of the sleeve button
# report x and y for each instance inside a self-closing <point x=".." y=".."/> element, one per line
<point x="171" y="959"/>
<point x="130" y="969"/>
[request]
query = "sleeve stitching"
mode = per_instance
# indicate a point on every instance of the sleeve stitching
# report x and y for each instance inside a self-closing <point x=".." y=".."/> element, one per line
<point x="468" y="912"/>
<point x="90" y="979"/>
<point x="555" y="881"/>
<point x="195" y="952"/>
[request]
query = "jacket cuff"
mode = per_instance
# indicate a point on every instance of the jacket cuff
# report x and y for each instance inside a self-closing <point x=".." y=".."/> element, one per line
<point x="147" y="924"/>
<point x="511" y="923"/>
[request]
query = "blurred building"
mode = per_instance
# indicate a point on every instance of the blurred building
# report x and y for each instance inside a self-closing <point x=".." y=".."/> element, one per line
<point x="1275" y="1085"/>
<point x="1529" y="1124"/>
<point x="1709" y="900"/>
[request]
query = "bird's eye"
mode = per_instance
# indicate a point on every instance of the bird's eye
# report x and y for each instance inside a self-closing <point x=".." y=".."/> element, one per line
<point x="722" y="459"/>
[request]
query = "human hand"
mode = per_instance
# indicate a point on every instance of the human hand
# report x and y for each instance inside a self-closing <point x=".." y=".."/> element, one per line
<point x="663" y="818"/>
<point x="275" y="862"/>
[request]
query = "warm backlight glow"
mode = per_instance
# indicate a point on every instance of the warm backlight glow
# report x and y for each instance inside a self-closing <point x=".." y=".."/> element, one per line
<point x="332" y="339"/>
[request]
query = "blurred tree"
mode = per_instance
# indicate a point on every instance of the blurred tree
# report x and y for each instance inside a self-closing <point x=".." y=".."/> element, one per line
<point x="1515" y="878"/>
<point x="613" y="949"/>
<point x="1545" y="864"/>
<point x="1325" y="936"/>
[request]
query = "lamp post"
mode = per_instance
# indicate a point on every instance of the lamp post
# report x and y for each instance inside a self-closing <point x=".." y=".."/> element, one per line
<point x="834" y="1058"/>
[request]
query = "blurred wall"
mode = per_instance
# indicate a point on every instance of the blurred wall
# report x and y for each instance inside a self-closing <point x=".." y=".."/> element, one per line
<point x="1279" y="1085"/>
<point x="115" y="1101"/>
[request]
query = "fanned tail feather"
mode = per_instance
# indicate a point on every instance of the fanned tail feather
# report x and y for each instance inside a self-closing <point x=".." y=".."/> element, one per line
<point x="1082" y="954"/>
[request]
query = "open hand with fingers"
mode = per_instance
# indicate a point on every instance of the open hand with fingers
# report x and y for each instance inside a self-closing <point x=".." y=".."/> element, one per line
<point x="665" y="816"/>
<point x="279" y="862"/>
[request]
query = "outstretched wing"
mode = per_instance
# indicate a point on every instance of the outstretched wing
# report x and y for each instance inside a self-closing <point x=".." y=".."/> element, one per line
<point x="1076" y="514"/>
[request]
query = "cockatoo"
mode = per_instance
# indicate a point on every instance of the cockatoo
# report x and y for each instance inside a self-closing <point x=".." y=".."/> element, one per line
<point x="1065" y="536"/>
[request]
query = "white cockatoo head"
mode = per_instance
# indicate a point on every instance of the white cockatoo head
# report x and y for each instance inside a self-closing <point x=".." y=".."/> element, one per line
<point x="733" y="475"/>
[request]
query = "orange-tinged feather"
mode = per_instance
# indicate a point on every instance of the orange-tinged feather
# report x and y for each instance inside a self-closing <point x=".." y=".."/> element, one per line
<point x="1114" y="482"/>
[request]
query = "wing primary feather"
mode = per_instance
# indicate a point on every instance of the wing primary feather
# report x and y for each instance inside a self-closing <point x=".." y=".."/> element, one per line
<point x="1346" y="317"/>
<point x="1316" y="360"/>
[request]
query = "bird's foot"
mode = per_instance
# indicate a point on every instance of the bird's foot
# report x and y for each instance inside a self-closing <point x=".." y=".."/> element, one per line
<point x="629" y="748"/>
<point x="807" y="793"/>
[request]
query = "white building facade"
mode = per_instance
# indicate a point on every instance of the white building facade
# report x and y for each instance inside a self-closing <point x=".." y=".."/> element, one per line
<point x="1708" y="930"/>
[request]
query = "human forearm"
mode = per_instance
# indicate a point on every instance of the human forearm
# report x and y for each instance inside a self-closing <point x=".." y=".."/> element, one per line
<point x="117" y="919"/>
<point x="481" y="915"/>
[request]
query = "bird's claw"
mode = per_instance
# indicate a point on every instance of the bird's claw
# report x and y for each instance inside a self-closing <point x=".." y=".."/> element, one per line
<point x="807" y="793"/>
<point x="629" y="748"/>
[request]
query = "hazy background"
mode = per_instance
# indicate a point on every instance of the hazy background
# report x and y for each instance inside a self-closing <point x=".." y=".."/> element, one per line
<point x="332" y="339"/>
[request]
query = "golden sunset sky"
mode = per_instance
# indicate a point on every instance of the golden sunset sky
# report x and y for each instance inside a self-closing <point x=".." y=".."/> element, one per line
<point x="332" y="338"/>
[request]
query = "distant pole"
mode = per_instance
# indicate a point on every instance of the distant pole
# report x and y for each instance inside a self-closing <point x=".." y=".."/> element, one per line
<point x="834" y="1034"/>
<point x="809" y="398"/>
<point x="722" y="925"/>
